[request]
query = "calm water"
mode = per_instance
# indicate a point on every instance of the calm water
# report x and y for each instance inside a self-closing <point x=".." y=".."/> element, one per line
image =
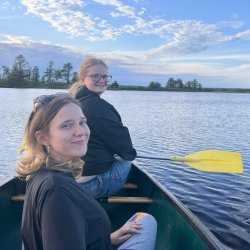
<point x="169" y="124"/>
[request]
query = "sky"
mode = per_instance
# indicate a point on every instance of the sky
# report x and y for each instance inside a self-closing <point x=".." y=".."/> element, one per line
<point x="141" y="40"/>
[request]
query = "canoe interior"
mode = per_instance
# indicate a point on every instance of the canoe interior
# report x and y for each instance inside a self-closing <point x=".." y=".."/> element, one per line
<point x="10" y="215"/>
<point x="177" y="228"/>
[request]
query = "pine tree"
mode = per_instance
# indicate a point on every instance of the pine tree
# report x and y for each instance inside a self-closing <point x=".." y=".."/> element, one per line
<point x="19" y="72"/>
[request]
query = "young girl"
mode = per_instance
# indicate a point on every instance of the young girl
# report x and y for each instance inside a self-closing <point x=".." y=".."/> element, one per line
<point x="57" y="213"/>
<point x="110" y="149"/>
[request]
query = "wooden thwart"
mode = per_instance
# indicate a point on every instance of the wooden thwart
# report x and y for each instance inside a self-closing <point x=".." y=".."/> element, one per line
<point x="111" y="199"/>
<point x="130" y="186"/>
<point x="19" y="197"/>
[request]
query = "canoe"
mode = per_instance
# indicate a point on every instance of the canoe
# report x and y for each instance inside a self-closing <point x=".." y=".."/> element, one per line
<point x="178" y="228"/>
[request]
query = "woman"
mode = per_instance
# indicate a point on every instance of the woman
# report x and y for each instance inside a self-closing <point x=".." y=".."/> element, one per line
<point x="57" y="214"/>
<point x="110" y="149"/>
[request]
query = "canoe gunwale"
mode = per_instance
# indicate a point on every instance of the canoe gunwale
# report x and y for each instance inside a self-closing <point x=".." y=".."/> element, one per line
<point x="192" y="219"/>
<point x="6" y="181"/>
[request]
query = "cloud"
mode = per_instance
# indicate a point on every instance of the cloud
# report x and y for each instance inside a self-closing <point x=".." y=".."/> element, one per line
<point x="21" y="40"/>
<point x="178" y="37"/>
<point x="64" y="16"/>
<point x="68" y="16"/>
<point x="131" y="56"/>
<point x="245" y="35"/>
<point x="122" y="9"/>
<point x="28" y="43"/>
<point x="229" y="68"/>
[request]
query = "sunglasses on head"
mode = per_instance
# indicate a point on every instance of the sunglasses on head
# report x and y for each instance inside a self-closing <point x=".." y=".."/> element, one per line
<point x="45" y="99"/>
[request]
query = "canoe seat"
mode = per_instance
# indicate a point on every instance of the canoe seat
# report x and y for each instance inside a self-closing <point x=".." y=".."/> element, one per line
<point x="19" y="197"/>
<point x="130" y="186"/>
<point x="110" y="199"/>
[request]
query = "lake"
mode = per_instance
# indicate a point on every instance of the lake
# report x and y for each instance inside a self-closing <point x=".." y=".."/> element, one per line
<point x="165" y="124"/>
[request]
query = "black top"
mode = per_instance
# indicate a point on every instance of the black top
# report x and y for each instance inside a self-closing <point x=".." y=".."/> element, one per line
<point x="59" y="215"/>
<point x="108" y="136"/>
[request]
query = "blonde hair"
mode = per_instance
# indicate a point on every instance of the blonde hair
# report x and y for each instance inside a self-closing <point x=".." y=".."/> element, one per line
<point x="33" y="155"/>
<point x="83" y="71"/>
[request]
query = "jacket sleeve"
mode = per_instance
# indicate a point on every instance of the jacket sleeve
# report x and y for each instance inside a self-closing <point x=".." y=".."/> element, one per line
<point x="106" y="123"/>
<point x="62" y="223"/>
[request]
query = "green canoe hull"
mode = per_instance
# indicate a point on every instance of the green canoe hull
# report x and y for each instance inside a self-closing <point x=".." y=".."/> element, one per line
<point x="177" y="228"/>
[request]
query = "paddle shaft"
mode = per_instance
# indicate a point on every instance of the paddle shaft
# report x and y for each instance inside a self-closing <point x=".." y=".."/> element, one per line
<point x="153" y="158"/>
<point x="180" y="159"/>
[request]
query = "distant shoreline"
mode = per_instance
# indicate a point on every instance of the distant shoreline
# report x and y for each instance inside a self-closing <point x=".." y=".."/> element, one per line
<point x="139" y="88"/>
<point x="221" y="90"/>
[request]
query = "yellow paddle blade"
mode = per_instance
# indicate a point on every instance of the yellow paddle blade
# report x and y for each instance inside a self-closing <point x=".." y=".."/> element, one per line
<point x="214" y="161"/>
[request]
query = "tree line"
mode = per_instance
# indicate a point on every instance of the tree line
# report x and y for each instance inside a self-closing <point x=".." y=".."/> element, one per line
<point x="171" y="85"/>
<point x="22" y="75"/>
<point x="177" y="84"/>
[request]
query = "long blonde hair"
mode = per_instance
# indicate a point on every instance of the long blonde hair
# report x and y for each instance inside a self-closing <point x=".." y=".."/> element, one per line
<point x="33" y="155"/>
<point x="83" y="71"/>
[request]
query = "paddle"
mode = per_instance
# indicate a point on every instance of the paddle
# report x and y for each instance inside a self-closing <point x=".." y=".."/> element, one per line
<point x="209" y="161"/>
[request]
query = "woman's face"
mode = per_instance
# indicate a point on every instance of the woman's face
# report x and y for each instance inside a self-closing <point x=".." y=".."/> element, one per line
<point x="68" y="134"/>
<point x="93" y="84"/>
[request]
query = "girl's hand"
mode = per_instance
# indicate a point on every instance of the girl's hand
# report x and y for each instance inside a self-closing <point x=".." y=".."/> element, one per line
<point x="125" y="232"/>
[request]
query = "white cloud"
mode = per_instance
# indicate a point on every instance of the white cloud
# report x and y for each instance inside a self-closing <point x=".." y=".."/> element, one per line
<point x="71" y="17"/>
<point x="20" y="40"/>
<point x="245" y="35"/>
<point x="62" y="15"/>
<point x="178" y="36"/>
<point x="123" y="10"/>
<point x="44" y="45"/>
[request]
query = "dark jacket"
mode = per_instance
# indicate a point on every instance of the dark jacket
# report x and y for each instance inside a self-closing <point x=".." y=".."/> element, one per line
<point x="108" y="136"/>
<point x="59" y="215"/>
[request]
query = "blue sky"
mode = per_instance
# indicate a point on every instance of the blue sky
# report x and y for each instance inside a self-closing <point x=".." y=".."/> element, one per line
<point x="141" y="40"/>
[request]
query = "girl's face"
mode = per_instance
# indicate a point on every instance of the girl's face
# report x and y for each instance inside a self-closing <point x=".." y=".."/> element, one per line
<point x="91" y="80"/>
<point x="68" y="134"/>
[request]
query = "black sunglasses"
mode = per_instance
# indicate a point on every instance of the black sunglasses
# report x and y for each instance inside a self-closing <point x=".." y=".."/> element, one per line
<point x="45" y="99"/>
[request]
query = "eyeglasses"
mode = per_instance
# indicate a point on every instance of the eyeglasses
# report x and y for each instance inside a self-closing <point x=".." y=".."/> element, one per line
<point x="45" y="99"/>
<point x="97" y="77"/>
